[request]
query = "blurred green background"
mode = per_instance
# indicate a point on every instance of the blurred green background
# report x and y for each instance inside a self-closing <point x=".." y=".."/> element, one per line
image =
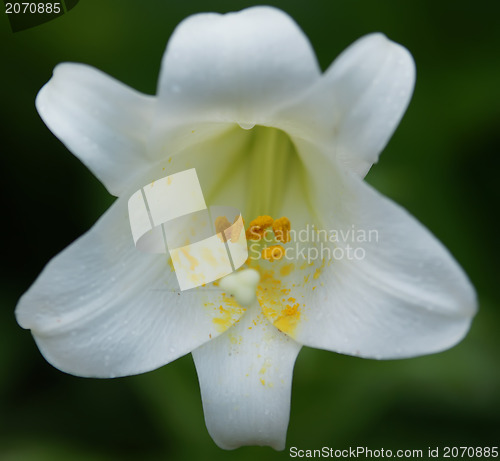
<point x="442" y="165"/>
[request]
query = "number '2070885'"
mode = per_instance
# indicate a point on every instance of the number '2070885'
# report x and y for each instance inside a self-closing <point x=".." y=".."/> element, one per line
<point x="32" y="8"/>
<point x="470" y="452"/>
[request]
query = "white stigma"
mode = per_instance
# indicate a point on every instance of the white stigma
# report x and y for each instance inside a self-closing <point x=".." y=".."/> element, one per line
<point x="242" y="285"/>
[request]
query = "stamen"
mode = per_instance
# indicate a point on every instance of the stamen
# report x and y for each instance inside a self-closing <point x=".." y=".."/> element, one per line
<point x="236" y="229"/>
<point x="221" y="224"/>
<point x="258" y="227"/>
<point x="273" y="253"/>
<point x="281" y="229"/>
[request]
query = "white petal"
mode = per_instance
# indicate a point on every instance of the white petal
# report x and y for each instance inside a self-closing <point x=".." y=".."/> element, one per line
<point x="245" y="378"/>
<point x="402" y="296"/>
<point x="373" y="81"/>
<point x="100" y="120"/>
<point x="102" y="308"/>
<point x="236" y="67"/>
<point x="358" y="102"/>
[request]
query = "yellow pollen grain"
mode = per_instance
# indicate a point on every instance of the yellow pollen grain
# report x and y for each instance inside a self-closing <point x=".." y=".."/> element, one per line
<point x="291" y="310"/>
<point x="273" y="253"/>
<point x="258" y="226"/>
<point x="289" y="319"/>
<point x="287" y="269"/>
<point x="318" y="271"/>
<point x="231" y="302"/>
<point x="227" y="316"/>
<point x="171" y="264"/>
<point x="281" y="229"/>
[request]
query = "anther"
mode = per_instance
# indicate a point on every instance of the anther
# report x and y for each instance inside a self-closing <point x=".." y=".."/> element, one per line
<point x="258" y="227"/>
<point x="273" y="253"/>
<point x="281" y="229"/>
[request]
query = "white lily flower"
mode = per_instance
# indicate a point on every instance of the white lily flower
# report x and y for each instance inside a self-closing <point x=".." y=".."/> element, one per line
<point x="241" y="99"/>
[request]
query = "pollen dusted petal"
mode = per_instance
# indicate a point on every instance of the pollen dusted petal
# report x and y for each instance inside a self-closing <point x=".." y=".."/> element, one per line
<point x="101" y="308"/>
<point x="272" y="293"/>
<point x="405" y="297"/>
<point x="245" y="380"/>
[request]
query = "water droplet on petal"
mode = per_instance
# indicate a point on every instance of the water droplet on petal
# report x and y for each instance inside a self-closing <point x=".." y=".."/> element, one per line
<point x="246" y="125"/>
